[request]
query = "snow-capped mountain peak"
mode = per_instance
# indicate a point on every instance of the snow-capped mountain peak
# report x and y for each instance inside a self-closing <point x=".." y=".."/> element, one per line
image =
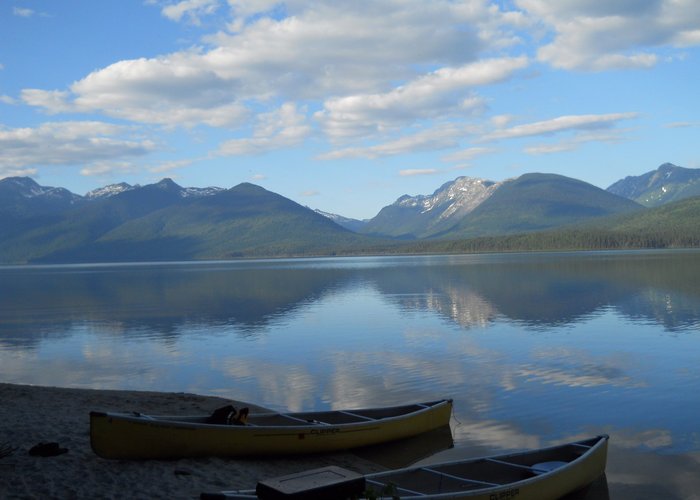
<point x="110" y="190"/>
<point x="25" y="187"/>
<point x="458" y="197"/>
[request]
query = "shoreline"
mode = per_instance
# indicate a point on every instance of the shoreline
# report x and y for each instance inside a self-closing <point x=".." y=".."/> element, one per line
<point x="36" y="414"/>
<point x="30" y="415"/>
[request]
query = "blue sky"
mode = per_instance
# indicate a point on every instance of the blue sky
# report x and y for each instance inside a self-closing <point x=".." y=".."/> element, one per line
<point x="345" y="106"/>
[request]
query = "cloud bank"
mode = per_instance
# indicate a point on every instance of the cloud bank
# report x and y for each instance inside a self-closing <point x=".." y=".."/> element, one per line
<point x="369" y="79"/>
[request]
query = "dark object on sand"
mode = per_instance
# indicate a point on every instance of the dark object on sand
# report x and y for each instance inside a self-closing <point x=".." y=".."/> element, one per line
<point x="47" y="450"/>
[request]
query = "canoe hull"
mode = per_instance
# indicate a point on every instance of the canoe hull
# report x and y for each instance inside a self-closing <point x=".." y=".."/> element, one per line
<point x="551" y="485"/>
<point x="124" y="436"/>
<point x="520" y="476"/>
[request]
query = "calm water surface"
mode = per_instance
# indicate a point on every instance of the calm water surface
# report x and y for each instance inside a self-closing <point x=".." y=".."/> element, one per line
<point x="534" y="348"/>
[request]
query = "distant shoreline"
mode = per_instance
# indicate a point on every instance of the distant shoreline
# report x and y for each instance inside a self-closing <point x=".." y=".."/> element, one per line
<point x="9" y="265"/>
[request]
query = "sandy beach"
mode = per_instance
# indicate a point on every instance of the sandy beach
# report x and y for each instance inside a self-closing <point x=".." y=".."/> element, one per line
<point x="30" y="415"/>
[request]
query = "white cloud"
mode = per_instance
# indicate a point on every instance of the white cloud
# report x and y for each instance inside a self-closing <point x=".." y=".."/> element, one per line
<point x="22" y="12"/>
<point x="321" y="51"/>
<point x="174" y="90"/>
<point x="285" y="127"/>
<point x="435" y="95"/>
<point x="309" y="193"/>
<point x="17" y="172"/>
<point x="191" y="9"/>
<point x="103" y="168"/>
<point x="439" y="137"/>
<point x="66" y="143"/>
<point x="466" y="155"/>
<point x="501" y="121"/>
<point x="573" y="143"/>
<point x="398" y="71"/>
<point x="682" y="124"/>
<point x="53" y="101"/>
<point x="339" y="48"/>
<point x="411" y="172"/>
<point x="560" y="124"/>
<point x="168" y="166"/>
<point x="544" y="149"/>
<point x="602" y="34"/>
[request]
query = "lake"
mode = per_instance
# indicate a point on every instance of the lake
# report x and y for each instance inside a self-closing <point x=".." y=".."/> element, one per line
<point x="534" y="348"/>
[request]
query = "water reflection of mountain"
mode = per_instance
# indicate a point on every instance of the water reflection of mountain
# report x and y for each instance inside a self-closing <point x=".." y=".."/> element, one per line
<point x="545" y="290"/>
<point x="155" y="301"/>
<point x="552" y="290"/>
<point x="677" y="312"/>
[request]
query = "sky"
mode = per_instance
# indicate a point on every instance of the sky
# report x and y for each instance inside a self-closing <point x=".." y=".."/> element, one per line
<point x="345" y="106"/>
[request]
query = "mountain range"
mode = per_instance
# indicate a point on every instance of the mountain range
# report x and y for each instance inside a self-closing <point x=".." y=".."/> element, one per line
<point x="665" y="184"/>
<point x="165" y="221"/>
<point x="467" y="208"/>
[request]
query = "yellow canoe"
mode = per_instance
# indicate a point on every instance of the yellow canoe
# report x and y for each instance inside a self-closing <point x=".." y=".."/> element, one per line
<point x="542" y="474"/>
<point x="138" y="436"/>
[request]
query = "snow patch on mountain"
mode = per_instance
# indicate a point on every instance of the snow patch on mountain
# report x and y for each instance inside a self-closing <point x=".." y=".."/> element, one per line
<point x="346" y="222"/>
<point x="28" y="188"/>
<point x="455" y="198"/>
<point x="200" y="192"/>
<point x="110" y="190"/>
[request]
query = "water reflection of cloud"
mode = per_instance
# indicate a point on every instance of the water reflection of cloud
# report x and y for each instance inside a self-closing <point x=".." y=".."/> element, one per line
<point x="347" y="380"/>
<point x="381" y="378"/>
<point x="83" y="373"/>
<point x="395" y="377"/>
<point x="583" y="375"/>
<point x="496" y="434"/>
<point x="578" y="368"/>
<point x="652" y="439"/>
<point x="81" y="361"/>
<point x="347" y="390"/>
<point x="284" y="386"/>
<point x="296" y="388"/>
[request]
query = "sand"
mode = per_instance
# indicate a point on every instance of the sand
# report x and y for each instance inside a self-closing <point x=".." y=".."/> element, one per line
<point x="30" y="415"/>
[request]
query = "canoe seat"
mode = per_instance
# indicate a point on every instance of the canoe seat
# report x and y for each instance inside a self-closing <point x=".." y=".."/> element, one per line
<point x="361" y="417"/>
<point x="544" y="467"/>
<point x="536" y="469"/>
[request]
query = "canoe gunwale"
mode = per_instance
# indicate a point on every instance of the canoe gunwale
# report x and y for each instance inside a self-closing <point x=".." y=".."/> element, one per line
<point x="198" y="421"/>
<point x="137" y="436"/>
